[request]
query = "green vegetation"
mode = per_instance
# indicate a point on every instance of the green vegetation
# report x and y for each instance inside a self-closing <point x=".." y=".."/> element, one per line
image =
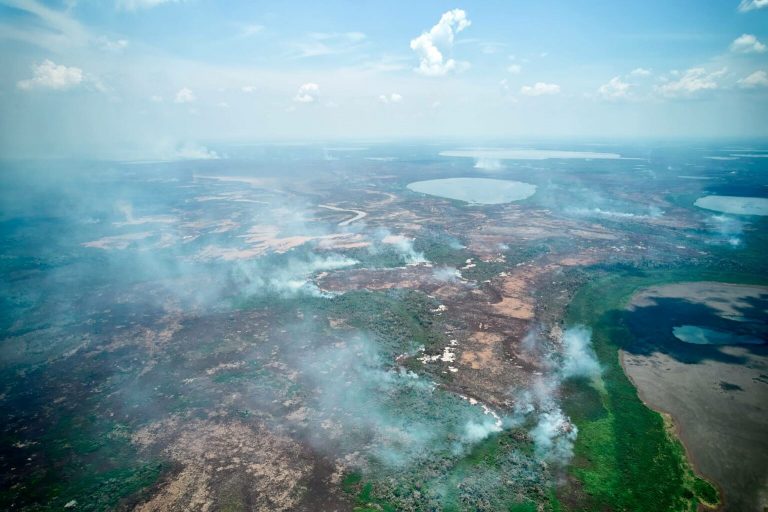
<point x="484" y="270"/>
<point x="441" y="249"/>
<point x="499" y="473"/>
<point x="625" y="456"/>
<point x="400" y="319"/>
<point x="93" y="463"/>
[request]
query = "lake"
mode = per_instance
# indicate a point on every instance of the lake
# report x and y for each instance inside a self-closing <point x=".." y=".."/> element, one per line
<point x="475" y="190"/>
<point x="734" y="205"/>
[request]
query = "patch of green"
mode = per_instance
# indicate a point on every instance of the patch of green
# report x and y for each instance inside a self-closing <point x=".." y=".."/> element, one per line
<point x="350" y="481"/>
<point x="441" y="249"/>
<point x="523" y="253"/>
<point x="90" y="461"/>
<point x="625" y="457"/>
<point x="498" y="473"/>
<point x="705" y="491"/>
<point x="526" y="506"/>
<point x="581" y="400"/>
<point x="365" y="500"/>
<point x="400" y="319"/>
<point x="386" y="256"/>
<point x="484" y="270"/>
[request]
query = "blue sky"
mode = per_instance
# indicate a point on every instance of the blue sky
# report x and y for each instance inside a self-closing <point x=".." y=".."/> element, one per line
<point x="154" y="78"/>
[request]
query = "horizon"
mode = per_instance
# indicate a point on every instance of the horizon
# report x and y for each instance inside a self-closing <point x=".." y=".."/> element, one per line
<point x="155" y="78"/>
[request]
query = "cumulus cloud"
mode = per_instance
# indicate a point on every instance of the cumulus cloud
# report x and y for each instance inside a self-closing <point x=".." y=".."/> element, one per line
<point x="391" y="98"/>
<point x="693" y="80"/>
<point x="615" y="89"/>
<point x="307" y="93"/>
<point x="579" y="358"/>
<point x="540" y="89"/>
<point x="135" y="5"/>
<point x="747" y="43"/>
<point x="750" y="5"/>
<point x="756" y="79"/>
<point x="248" y="89"/>
<point x="48" y="75"/>
<point x="514" y="69"/>
<point x="432" y="46"/>
<point x="640" y="72"/>
<point x="185" y="95"/>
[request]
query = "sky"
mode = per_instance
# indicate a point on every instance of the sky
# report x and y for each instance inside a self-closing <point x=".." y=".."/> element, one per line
<point x="172" y="78"/>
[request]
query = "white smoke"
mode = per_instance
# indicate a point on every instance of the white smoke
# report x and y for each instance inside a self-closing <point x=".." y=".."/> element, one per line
<point x="477" y="431"/>
<point x="727" y="228"/>
<point x="579" y="358"/>
<point x="554" y="435"/>
<point x="354" y="388"/>
<point x="403" y="245"/>
<point x="291" y="279"/>
<point x="448" y="274"/>
<point x="654" y="212"/>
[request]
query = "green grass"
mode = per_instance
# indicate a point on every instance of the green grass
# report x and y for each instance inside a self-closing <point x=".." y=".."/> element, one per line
<point x="626" y="459"/>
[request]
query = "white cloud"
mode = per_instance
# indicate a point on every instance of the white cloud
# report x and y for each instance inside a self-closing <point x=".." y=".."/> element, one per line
<point x="692" y="81"/>
<point x="515" y="69"/>
<point x="392" y="98"/>
<point x="48" y="75"/>
<point x="112" y="46"/>
<point x="756" y="79"/>
<point x="156" y="99"/>
<point x="49" y="28"/>
<point x="615" y="89"/>
<point x="491" y="48"/>
<point x="539" y="89"/>
<point x="135" y="5"/>
<point x="248" y="89"/>
<point x="307" y="93"/>
<point x="250" y="30"/>
<point x="385" y="64"/>
<point x="185" y="95"/>
<point x="640" y="72"/>
<point x="432" y="46"/>
<point x="749" y="5"/>
<point x="747" y="43"/>
<point x="328" y="43"/>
